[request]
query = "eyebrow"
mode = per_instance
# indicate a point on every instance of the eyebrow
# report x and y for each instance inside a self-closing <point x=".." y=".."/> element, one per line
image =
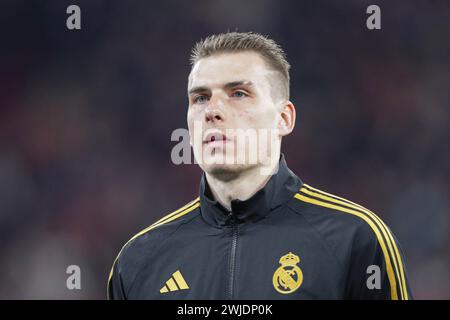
<point x="228" y="85"/>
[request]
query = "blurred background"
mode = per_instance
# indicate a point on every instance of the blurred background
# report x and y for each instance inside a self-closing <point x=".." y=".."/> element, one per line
<point x="86" y="118"/>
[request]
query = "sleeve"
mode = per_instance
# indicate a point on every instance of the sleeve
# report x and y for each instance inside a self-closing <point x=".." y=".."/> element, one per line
<point x="115" y="289"/>
<point x="377" y="270"/>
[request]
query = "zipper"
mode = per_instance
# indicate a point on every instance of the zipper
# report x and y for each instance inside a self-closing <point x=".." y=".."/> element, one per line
<point x="235" y="230"/>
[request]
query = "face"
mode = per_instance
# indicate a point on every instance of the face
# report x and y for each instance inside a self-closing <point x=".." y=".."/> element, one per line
<point x="232" y="118"/>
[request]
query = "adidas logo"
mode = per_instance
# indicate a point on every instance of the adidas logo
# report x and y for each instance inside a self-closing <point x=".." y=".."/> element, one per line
<point x="176" y="282"/>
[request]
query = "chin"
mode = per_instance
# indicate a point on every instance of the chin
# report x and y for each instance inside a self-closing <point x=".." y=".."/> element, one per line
<point x="225" y="171"/>
<point x="222" y="162"/>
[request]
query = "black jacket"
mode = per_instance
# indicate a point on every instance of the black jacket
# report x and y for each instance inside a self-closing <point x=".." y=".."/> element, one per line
<point x="288" y="241"/>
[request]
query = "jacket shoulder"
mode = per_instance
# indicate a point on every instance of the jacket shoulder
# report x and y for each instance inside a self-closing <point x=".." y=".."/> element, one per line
<point x="318" y="207"/>
<point x="343" y="224"/>
<point x="168" y="222"/>
<point x="133" y="251"/>
<point x="356" y="232"/>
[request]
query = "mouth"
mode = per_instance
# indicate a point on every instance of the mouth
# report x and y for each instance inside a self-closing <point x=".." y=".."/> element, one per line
<point x="215" y="137"/>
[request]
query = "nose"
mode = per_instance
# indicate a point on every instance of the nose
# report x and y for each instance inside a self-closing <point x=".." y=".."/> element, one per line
<point x="213" y="113"/>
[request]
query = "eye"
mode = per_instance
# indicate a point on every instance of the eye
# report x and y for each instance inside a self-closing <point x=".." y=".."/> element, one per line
<point x="239" y="94"/>
<point x="200" y="99"/>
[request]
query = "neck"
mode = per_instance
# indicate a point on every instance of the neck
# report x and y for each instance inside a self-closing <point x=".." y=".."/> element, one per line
<point x="242" y="186"/>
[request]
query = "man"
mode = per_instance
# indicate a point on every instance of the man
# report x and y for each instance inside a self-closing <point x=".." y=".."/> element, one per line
<point x="256" y="231"/>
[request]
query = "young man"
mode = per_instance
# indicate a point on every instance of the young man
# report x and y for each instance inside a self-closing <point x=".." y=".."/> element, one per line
<point x="256" y="231"/>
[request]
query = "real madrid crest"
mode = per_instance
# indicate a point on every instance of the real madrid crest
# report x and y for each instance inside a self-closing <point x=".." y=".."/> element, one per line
<point x="288" y="277"/>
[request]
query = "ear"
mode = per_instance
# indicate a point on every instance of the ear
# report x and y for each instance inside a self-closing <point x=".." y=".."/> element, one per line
<point x="286" y="122"/>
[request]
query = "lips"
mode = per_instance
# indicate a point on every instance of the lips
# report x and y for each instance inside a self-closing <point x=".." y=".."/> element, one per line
<point x="215" y="136"/>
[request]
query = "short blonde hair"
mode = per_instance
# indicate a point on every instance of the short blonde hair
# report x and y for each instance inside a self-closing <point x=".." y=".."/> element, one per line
<point x="270" y="51"/>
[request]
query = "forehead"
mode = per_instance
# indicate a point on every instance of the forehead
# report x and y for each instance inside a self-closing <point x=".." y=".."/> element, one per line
<point x="228" y="67"/>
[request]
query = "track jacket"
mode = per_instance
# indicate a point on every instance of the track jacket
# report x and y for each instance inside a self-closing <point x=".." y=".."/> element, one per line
<point x="288" y="241"/>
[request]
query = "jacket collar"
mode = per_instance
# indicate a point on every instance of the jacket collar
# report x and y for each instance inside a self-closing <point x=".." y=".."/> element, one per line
<point x="280" y="188"/>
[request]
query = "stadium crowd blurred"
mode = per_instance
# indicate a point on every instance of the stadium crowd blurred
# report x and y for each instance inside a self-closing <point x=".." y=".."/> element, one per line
<point x="86" y="118"/>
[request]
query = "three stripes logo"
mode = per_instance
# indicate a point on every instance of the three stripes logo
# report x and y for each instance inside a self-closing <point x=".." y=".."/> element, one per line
<point x="175" y="283"/>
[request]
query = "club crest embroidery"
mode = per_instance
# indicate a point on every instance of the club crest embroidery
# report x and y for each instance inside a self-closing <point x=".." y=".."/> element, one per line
<point x="288" y="277"/>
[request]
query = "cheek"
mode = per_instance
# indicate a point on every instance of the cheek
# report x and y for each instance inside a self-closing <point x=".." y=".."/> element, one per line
<point x="189" y="121"/>
<point x="257" y="119"/>
<point x="246" y="115"/>
<point x="246" y="119"/>
<point x="192" y="116"/>
<point x="194" y="123"/>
